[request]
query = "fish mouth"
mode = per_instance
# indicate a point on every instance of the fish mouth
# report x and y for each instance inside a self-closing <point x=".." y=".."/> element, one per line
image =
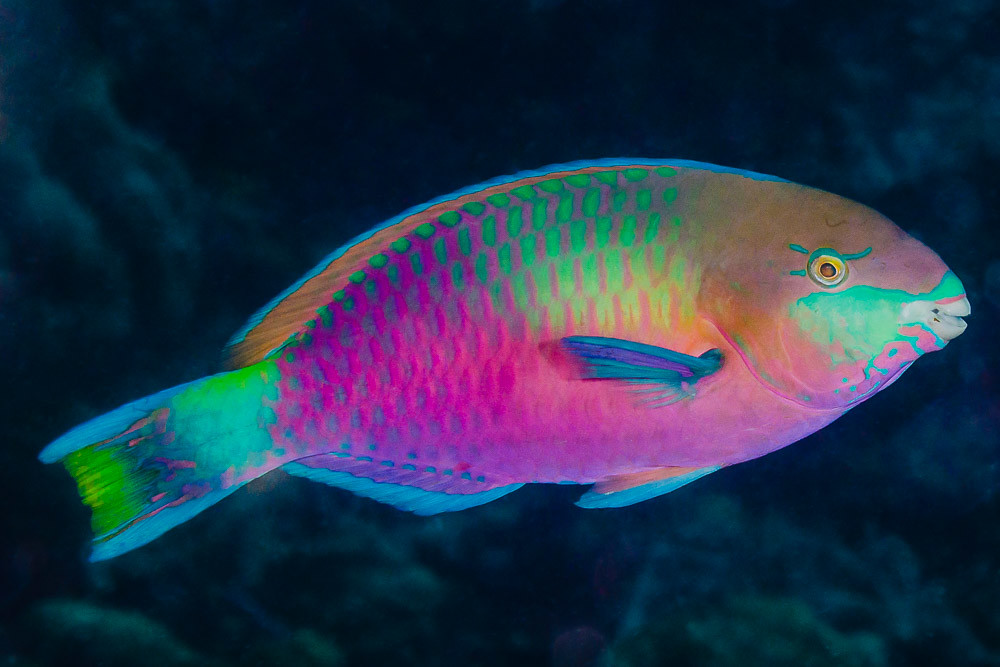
<point x="943" y="317"/>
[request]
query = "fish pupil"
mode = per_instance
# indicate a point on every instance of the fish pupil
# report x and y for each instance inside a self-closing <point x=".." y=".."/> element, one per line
<point x="827" y="270"/>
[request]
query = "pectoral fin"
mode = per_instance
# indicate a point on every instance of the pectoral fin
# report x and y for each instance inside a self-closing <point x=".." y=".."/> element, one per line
<point x="631" y="488"/>
<point x="666" y="375"/>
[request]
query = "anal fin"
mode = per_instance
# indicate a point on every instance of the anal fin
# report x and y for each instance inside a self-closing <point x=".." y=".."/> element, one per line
<point x="631" y="488"/>
<point x="415" y="491"/>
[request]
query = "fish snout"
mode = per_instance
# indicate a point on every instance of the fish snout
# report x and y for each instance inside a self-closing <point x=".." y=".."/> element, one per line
<point x="943" y="317"/>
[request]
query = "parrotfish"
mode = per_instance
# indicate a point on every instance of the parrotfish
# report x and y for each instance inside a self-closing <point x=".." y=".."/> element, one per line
<point x="632" y="325"/>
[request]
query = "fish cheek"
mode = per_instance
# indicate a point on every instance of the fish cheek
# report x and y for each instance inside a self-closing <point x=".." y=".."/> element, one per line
<point x="836" y="338"/>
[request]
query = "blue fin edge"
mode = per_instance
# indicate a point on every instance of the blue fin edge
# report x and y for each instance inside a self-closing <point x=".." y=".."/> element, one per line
<point x="107" y="425"/>
<point x="409" y="498"/>
<point x="258" y="317"/>
<point x="147" y="530"/>
<point x="594" y="500"/>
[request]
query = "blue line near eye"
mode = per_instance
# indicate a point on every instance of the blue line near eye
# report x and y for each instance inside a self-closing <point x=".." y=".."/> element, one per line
<point x="858" y="255"/>
<point x="797" y="272"/>
<point x="797" y="248"/>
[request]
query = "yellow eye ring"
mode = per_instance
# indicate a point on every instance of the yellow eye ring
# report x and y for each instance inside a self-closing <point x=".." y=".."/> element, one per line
<point x="827" y="270"/>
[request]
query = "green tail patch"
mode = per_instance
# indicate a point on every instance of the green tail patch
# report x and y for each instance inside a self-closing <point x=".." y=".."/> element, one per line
<point x="154" y="463"/>
<point x="113" y="484"/>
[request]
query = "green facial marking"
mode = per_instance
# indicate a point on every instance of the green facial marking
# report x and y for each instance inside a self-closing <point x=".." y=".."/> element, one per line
<point x="835" y="280"/>
<point x="578" y="180"/>
<point x="357" y="277"/>
<point x="416" y="264"/>
<point x="552" y="185"/>
<point x="607" y="177"/>
<point x="424" y="231"/>
<point x="665" y="171"/>
<point x="378" y="261"/>
<point x="401" y="245"/>
<point x="856" y="324"/>
<point x="858" y="255"/>
<point x="851" y="325"/>
<point x="635" y="175"/>
<point x="669" y="195"/>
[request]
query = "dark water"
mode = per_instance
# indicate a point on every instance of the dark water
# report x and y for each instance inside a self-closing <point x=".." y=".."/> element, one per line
<point x="165" y="170"/>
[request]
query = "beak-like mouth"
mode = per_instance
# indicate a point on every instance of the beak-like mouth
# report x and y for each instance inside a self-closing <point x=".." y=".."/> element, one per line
<point x="943" y="317"/>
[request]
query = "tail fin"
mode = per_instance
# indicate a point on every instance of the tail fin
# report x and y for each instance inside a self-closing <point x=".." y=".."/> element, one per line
<point x="141" y="468"/>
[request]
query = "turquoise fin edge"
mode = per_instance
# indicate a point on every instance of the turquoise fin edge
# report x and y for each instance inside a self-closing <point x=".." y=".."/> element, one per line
<point x="595" y="500"/>
<point x="409" y="498"/>
<point x="148" y="529"/>
<point x="108" y="425"/>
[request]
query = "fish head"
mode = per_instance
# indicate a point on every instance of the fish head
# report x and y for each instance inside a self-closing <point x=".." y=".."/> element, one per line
<point x="826" y="300"/>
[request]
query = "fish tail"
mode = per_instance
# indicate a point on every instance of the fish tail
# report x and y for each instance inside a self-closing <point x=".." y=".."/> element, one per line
<point x="156" y="462"/>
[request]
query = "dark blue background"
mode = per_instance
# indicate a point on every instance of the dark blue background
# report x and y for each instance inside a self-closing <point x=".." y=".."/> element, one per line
<point x="166" y="168"/>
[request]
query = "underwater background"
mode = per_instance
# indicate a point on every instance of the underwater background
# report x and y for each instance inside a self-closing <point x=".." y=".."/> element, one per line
<point x="167" y="168"/>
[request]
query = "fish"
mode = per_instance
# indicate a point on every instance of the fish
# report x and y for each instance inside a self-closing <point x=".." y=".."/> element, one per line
<point x="628" y="324"/>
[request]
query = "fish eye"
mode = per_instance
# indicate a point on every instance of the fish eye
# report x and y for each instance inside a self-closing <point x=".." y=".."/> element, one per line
<point x="827" y="270"/>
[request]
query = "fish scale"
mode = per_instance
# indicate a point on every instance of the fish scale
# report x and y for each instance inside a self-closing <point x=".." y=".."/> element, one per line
<point x="634" y="325"/>
<point x="470" y="240"/>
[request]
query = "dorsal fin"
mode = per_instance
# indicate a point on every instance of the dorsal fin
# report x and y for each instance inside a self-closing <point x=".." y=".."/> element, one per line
<point x="287" y="314"/>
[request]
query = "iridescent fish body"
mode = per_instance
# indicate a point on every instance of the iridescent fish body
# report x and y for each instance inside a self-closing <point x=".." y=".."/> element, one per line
<point x="633" y="324"/>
